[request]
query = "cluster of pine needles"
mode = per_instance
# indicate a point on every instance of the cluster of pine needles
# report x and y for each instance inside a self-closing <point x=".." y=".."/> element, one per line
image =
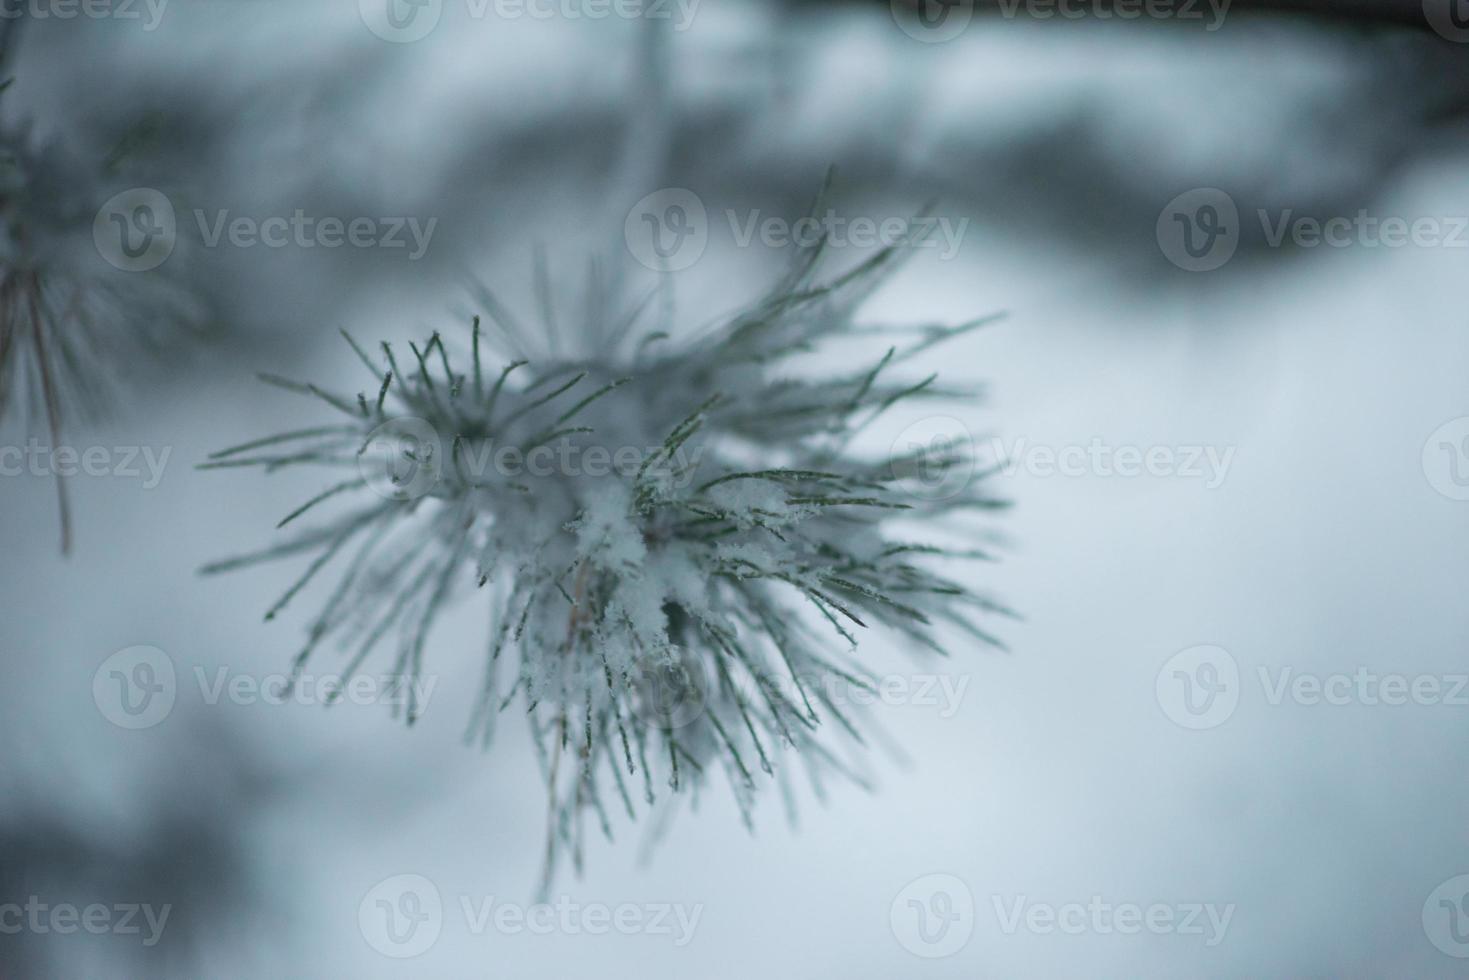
<point x="696" y="610"/>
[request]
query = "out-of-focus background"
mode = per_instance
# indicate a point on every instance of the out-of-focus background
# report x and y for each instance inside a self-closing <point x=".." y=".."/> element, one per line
<point x="1232" y="391"/>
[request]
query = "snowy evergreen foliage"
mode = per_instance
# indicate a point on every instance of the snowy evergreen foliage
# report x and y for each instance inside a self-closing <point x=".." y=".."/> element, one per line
<point x="67" y="315"/>
<point x="679" y="583"/>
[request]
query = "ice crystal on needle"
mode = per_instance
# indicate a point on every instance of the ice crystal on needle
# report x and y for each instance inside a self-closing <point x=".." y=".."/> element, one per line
<point x="681" y="544"/>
